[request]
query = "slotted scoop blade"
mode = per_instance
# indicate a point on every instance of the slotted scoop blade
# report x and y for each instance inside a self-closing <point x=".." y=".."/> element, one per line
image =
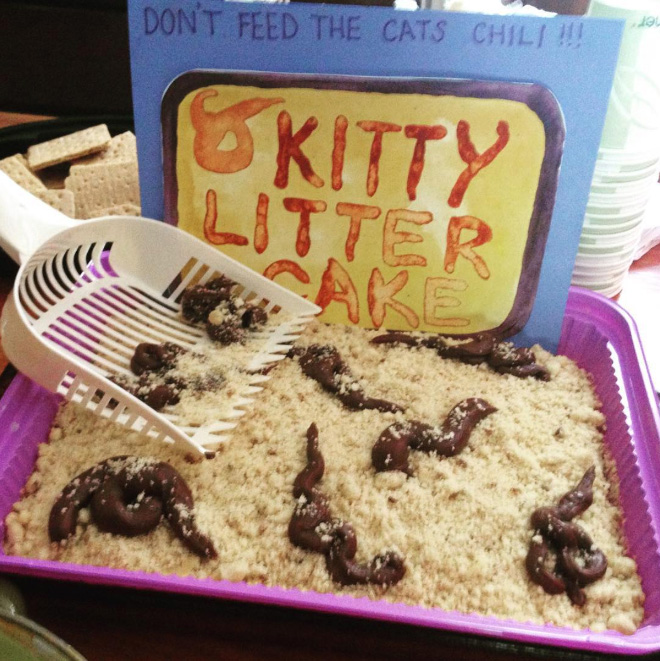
<point x="88" y="292"/>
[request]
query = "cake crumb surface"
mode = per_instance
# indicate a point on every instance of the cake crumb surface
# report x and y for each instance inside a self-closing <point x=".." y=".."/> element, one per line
<point x="461" y="523"/>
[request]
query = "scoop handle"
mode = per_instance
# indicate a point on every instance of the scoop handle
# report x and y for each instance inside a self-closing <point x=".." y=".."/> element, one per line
<point x="25" y="221"/>
<point x="26" y="352"/>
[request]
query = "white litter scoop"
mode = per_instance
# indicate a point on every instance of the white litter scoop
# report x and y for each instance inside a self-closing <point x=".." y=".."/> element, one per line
<point x="88" y="292"/>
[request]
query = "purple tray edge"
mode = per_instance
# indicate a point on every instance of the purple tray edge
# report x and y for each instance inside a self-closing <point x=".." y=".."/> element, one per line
<point x="639" y="390"/>
<point x="605" y="314"/>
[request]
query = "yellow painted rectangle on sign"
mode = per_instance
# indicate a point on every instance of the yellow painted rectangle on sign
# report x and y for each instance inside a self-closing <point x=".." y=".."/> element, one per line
<point x="390" y="205"/>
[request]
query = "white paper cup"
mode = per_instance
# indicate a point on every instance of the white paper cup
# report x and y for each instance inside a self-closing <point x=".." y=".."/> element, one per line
<point x="607" y="249"/>
<point x="628" y="158"/>
<point x="640" y="186"/>
<point x="602" y="266"/>
<point x="612" y="174"/>
<point x="619" y="240"/>
<point x="604" y="252"/>
<point x="597" y="284"/>
<point x="615" y="233"/>
<point x="595" y="268"/>
<point x="615" y="207"/>
<point x="600" y="262"/>
<point x="625" y="199"/>
<point x="603" y="221"/>
<point x="608" y="286"/>
<point x="609" y="289"/>
<point x="612" y="241"/>
<point x="597" y="281"/>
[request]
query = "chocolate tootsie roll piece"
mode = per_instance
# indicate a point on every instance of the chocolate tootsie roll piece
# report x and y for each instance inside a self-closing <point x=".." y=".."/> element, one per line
<point x="578" y="562"/>
<point x="159" y="396"/>
<point x="503" y="357"/>
<point x="230" y="322"/>
<point x="153" y="364"/>
<point x="536" y="563"/>
<point x="312" y="512"/>
<point x="77" y="494"/>
<point x="229" y="331"/>
<point x="253" y="316"/>
<point x="533" y="371"/>
<point x="579" y="499"/>
<point x="159" y="380"/>
<point x="313" y="528"/>
<point x="151" y="357"/>
<point x="391" y="450"/>
<point x="308" y="526"/>
<point x="396" y="337"/>
<point x="340" y="557"/>
<point x="505" y="354"/>
<point x="325" y="365"/>
<point x="384" y="569"/>
<point x="198" y="301"/>
<point x="306" y="481"/>
<point x="156" y="392"/>
<point x="521" y="362"/>
<point x="129" y="496"/>
<point x="474" y="351"/>
<point x="118" y="511"/>
<point x="583" y="564"/>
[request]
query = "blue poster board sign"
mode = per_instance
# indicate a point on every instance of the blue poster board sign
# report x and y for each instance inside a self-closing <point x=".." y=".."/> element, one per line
<point x="414" y="170"/>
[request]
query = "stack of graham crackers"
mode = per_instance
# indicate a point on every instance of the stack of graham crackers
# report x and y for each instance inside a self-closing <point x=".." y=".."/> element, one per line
<point x="85" y="174"/>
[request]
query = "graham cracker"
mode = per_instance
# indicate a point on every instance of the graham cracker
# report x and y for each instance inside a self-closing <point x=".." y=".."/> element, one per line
<point x="68" y="147"/>
<point x="120" y="210"/>
<point x="122" y="147"/>
<point x="102" y="185"/>
<point x="16" y="168"/>
<point x="62" y="200"/>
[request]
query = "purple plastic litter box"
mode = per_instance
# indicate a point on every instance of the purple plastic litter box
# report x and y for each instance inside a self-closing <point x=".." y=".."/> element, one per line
<point x="597" y="334"/>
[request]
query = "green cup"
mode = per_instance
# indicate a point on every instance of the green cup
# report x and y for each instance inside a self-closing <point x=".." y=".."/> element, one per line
<point x="23" y="640"/>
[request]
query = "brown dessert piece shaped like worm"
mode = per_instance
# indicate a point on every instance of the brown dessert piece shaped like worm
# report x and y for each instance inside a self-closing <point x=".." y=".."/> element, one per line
<point x="577" y="561"/>
<point x="155" y="382"/>
<point x="117" y="510"/>
<point x="324" y="364"/>
<point x="503" y="357"/>
<point x="391" y="450"/>
<point x="474" y="351"/>
<point x="151" y="357"/>
<point x="312" y="509"/>
<point x="129" y="496"/>
<point x="521" y="362"/>
<point x="226" y="317"/>
<point x="396" y="337"/>
<point x="158" y="381"/>
<point x="313" y="528"/>
<point x="198" y="301"/>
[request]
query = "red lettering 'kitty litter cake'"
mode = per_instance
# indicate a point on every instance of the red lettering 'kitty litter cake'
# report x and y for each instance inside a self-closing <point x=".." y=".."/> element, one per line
<point x="465" y="475"/>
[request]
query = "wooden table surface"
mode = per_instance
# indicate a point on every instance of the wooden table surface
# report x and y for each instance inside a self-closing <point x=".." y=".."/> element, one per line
<point x="111" y="624"/>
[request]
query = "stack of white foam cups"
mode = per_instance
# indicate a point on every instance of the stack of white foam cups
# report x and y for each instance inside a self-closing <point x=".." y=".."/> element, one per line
<point x="628" y="162"/>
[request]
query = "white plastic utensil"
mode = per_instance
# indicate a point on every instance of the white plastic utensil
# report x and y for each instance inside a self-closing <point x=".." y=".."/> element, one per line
<point x="88" y="292"/>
